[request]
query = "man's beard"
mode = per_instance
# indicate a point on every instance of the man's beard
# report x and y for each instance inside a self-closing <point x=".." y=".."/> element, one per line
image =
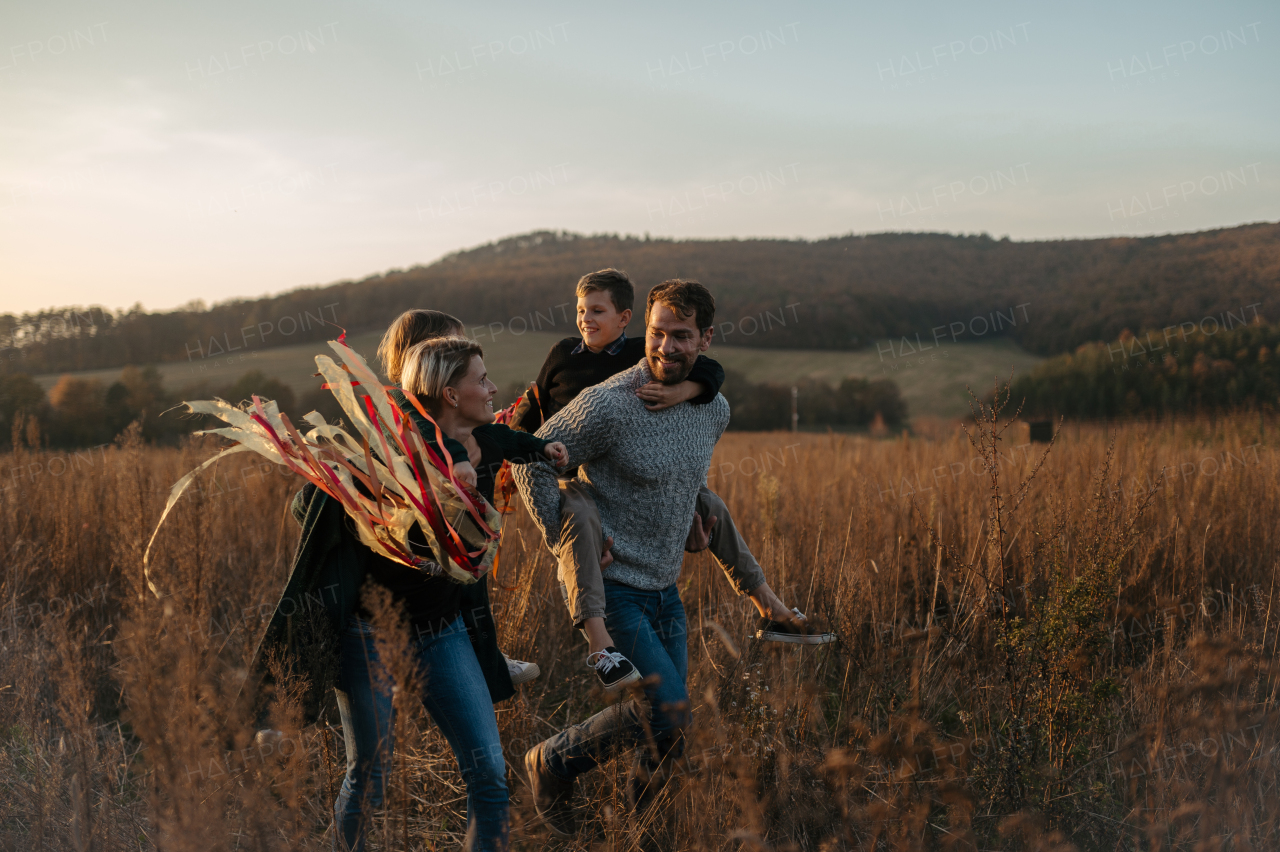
<point x="663" y="374"/>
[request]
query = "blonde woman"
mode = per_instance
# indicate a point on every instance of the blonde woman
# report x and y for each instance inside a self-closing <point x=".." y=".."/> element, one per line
<point x="448" y="376"/>
<point x="409" y="329"/>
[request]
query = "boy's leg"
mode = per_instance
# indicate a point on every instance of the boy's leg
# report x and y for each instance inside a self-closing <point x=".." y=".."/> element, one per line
<point x="581" y="543"/>
<point x="727" y="544"/>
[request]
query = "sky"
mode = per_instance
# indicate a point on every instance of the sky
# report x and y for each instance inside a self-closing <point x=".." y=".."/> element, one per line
<point x="161" y="153"/>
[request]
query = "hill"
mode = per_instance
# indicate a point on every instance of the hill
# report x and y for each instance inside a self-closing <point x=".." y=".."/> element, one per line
<point x="840" y="293"/>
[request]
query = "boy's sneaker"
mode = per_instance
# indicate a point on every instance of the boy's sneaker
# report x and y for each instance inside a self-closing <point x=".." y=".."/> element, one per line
<point x="268" y="737"/>
<point x="520" y="671"/>
<point x="800" y="633"/>
<point x="552" y="795"/>
<point x="614" y="670"/>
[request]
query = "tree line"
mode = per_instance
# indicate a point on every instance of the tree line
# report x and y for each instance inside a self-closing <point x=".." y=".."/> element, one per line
<point x="1171" y="370"/>
<point x="79" y="412"/>
<point x="853" y="404"/>
<point x="836" y="293"/>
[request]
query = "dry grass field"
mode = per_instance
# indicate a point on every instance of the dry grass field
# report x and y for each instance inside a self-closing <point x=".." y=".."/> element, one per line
<point x="1084" y="663"/>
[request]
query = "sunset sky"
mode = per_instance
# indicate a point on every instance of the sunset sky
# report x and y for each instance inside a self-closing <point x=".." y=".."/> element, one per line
<point x="165" y="152"/>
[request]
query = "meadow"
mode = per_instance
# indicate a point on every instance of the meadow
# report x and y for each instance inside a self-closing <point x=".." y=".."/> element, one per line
<point x="932" y="381"/>
<point x="1082" y="658"/>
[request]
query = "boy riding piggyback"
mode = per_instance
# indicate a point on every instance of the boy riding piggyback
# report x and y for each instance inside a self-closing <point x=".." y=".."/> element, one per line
<point x="604" y="307"/>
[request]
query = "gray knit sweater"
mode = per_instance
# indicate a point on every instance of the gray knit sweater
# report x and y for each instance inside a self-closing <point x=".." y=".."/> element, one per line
<point x="642" y="467"/>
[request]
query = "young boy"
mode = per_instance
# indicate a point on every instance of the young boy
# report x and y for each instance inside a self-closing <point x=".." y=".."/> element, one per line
<point x="605" y="300"/>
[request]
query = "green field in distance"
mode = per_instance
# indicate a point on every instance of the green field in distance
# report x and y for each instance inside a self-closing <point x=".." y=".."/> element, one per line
<point x="932" y="382"/>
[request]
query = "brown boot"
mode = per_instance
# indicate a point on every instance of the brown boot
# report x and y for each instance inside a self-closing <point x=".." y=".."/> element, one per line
<point x="552" y="795"/>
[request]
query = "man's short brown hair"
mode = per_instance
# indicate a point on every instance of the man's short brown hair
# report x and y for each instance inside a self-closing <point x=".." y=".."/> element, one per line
<point x="612" y="281"/>
<point x="686" y="298"/>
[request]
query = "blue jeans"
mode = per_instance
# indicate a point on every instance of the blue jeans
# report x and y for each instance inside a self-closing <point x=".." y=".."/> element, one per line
<point x="456" y="697"/>
<point x="649" y="628"/>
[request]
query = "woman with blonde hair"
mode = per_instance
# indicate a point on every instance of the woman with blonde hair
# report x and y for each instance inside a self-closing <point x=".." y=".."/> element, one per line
<point x="447" y="375"/>
<point x="409" y="329"/>
<point x="454" y="638"/>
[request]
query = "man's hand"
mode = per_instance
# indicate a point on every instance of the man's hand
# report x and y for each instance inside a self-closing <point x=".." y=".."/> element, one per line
<point x="465" y="472"/>
<point x="557" y="452"/>
<point x="657" y="396"/>
<point x="606" y="558"/>
<point x="699" y="537"/>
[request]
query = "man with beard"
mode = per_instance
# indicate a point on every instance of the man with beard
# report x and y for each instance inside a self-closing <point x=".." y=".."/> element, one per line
<point x="644" y="469"/>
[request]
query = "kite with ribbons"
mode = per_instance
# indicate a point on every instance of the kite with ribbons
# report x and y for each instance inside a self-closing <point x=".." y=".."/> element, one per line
<point x="387" y="477"/>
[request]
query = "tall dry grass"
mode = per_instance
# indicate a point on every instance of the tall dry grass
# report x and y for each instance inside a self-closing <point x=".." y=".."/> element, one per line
<point x="1093" y="669"/>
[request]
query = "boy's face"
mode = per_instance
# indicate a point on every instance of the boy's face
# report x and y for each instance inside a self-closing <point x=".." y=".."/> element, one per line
<point x="672" y="343"/>
<point x="599" y="321"/>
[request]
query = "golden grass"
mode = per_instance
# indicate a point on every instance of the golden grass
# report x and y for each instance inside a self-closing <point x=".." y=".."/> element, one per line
<point x="1123" y="697"/>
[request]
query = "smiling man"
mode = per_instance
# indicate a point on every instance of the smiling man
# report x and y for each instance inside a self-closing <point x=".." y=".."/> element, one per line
<point x="644" y="469"/>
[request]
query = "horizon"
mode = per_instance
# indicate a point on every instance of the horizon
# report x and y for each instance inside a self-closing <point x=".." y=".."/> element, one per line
<point x="207" y="305"/>
<point x="162" y="155"/>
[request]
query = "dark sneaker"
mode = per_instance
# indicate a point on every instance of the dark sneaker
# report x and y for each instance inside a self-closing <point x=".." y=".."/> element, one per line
<point x="798" y="632"/>
<point x="614" y="670"/>
<point x="552" y="795"/>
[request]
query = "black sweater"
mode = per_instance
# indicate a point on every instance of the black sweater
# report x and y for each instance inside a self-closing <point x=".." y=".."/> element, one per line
<point x="565" y="375"/>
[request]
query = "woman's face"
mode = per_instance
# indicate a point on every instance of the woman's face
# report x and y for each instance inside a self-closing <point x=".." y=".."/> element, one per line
<point x="474" y="395"/>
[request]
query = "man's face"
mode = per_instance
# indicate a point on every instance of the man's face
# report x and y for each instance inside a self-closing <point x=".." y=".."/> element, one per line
<point x="673" y="343"/>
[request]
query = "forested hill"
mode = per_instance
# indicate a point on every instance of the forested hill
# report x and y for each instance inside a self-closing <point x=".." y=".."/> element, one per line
<point x="837" y="293"/>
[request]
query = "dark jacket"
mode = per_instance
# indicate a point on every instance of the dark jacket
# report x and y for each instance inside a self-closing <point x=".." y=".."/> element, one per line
<point x="329" y="566"/>
<point x="452" y="447"/>
<point x="566" y="373"/>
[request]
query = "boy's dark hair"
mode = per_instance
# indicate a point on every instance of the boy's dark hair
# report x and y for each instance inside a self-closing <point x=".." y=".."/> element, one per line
<point x="612" y="281"/>
<point x="685" y="298"/>
<point x="413" y="327"/>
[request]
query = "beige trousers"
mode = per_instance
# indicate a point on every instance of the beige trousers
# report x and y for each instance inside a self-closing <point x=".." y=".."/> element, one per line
<point x="582" y="541"/>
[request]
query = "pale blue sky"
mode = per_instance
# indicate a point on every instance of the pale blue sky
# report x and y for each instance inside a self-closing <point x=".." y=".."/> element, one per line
<point x="163" y="152"/>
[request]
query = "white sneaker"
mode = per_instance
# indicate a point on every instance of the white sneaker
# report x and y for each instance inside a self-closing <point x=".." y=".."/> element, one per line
<point x="520" y="671"/>
<point x="268" y="737"/>
<point x="796" y="632"/>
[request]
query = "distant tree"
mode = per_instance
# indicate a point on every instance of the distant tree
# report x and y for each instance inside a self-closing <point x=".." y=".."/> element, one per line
<point x="321" y="400"/>
<point x="20" y="397"/>
<point x="140" y="393"/>
<point x="1150" y="374"/>
<point x="79" y="413"/>
<point x="853" y="404"/>
<point x="756" y="407"/>
<point x="256" y="382"/>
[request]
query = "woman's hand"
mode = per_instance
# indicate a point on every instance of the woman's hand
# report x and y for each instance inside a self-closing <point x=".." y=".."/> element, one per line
<point x="771" y="606"/>
<point x="557" y="452"/>
<point x="465" y="473"/>
<point x="657" y="396"/>
<point x="699" y="537"/>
